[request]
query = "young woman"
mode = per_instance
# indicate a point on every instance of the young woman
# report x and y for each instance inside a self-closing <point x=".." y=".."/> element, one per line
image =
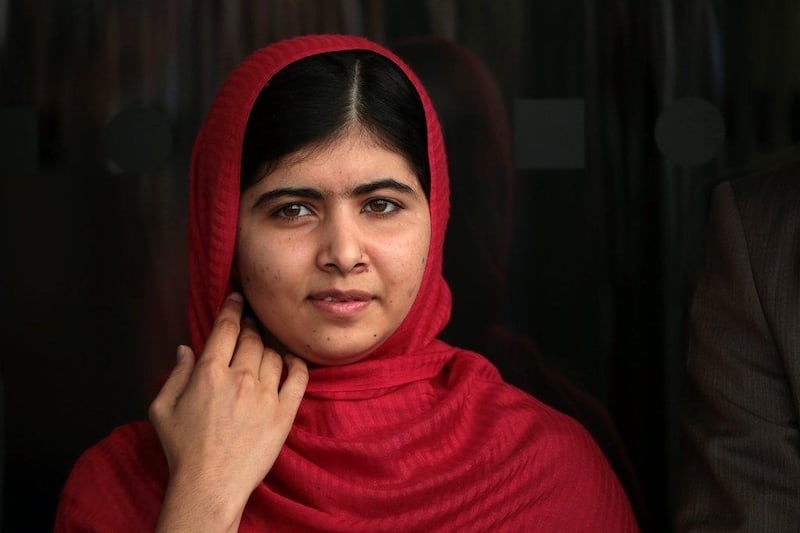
<point x="317" y="397"/>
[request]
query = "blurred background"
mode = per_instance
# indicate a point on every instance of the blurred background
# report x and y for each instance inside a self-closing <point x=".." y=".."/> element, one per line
<point x="616" y="118"/>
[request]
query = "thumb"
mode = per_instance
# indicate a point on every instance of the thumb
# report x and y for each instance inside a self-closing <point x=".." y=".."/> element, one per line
<point x="179" y="378"/>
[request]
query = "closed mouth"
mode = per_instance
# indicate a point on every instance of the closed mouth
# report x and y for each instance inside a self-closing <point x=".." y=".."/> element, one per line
<point x="341" y="296"/>
<point x="341" y="305"/>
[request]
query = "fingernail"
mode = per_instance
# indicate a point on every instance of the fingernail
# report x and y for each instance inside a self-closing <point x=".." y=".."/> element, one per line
<point x="181" y="353"/>
<point x="236" y="297"/>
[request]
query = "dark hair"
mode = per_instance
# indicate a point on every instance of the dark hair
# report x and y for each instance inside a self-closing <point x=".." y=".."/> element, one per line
<point x="314" y="99"/>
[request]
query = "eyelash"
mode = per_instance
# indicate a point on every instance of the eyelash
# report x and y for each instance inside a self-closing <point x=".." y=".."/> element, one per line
<point x="391" y="205"/>
<point x="277" y="213"/>
<point x="395" y="206"/>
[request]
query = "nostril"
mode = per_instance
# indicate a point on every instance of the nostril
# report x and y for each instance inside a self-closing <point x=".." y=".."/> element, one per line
<point x="345" y="268"/>
<point x="332" y="267"/>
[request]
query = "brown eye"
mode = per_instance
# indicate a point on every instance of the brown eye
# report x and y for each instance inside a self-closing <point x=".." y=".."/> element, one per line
<point x="379" y="206"/>
<point x="292" y="211"/>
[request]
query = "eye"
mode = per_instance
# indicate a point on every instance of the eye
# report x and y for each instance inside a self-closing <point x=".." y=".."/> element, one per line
<point x="380" y="206"/>
<point x="291" y="211"/>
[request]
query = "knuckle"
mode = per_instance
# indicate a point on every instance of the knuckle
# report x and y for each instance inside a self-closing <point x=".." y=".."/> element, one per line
<point x="266" y="396"/>
<point x="227" y="324"/>
<point x="208" y="372"/>
<point x="271" y="355"/>
<point x="246" y="381"/>
<point x="250" y="336"/>
<point x="273" y="362"/>
<point x="301" y="371"/>
<point x="155" y="411"/>
<point x="295" y="395"/>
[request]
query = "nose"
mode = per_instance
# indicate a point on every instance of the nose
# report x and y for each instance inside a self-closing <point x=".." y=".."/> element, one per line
<point x="341" y="247"/>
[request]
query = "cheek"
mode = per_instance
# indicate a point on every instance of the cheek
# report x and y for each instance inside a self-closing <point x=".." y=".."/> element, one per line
<point x="258" y="265"/>
<point x="260" y="276"/>
<point x="271" y="267"/>
<point x="409" y="262"/>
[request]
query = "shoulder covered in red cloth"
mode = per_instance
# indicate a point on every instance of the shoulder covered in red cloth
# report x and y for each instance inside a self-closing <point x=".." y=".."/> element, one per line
<point x="570" y="485"/>
<point x="553" y="470"/>
<point x="419" y="436"/>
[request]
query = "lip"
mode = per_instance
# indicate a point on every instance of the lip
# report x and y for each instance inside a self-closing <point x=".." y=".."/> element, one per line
<point x="340" y="304"/>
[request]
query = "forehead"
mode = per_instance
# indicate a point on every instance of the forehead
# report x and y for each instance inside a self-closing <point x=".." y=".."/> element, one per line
<point x="342" y="161"/>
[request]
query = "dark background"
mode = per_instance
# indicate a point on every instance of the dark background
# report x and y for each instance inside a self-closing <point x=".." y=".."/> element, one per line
<point x="100" y="102"/>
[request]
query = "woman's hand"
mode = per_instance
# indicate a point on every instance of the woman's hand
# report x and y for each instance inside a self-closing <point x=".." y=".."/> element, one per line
<point x="222" y="422"/>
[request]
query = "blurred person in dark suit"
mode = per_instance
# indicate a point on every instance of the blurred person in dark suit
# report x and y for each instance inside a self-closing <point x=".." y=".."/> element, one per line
<point x="742" y="464"/>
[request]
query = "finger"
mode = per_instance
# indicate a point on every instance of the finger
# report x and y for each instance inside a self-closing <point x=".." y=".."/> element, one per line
<point x="271" y="369"/>
<point x="248" y="349"/>
<point x="179" y="378"/>
<point x="293" y="389"/>
<point x="224" y="334"/>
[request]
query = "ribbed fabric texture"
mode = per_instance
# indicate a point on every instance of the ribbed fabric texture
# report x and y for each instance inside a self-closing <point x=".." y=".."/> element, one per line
<point x="420" y="436"/>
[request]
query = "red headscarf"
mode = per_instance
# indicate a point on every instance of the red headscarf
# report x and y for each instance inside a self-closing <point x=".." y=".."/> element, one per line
<point x="420" y="436"/>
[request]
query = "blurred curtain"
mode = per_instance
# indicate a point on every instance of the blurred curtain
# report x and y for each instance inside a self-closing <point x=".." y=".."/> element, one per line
<point x="602" y="259"/>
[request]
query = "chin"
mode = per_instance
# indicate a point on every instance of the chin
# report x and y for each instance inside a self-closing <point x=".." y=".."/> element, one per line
<point x="336" y="354"/>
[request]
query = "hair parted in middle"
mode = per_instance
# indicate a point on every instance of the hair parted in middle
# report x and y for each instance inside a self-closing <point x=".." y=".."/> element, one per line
<point x="314" y="100"/>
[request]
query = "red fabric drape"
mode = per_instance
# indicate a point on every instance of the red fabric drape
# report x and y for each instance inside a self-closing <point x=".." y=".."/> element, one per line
<point x="420" y="436"/>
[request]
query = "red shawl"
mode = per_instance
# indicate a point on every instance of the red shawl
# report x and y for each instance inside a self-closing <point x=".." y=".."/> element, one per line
<point x="420" y="436"/>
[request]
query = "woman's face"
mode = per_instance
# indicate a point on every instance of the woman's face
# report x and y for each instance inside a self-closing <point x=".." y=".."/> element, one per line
<point x="332" y="247"/>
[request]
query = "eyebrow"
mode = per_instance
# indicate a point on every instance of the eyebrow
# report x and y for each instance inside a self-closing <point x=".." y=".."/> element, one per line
<point x="314" y="194"/>
<point x="301" y="192"/>
<point x="386" y="183"/>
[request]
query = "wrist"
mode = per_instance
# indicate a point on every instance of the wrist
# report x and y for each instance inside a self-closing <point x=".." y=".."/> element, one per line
<point x="195" y="505"/>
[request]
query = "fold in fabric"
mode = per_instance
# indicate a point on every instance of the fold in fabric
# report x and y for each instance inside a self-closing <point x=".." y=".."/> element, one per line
<point x="420" y="436"/>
